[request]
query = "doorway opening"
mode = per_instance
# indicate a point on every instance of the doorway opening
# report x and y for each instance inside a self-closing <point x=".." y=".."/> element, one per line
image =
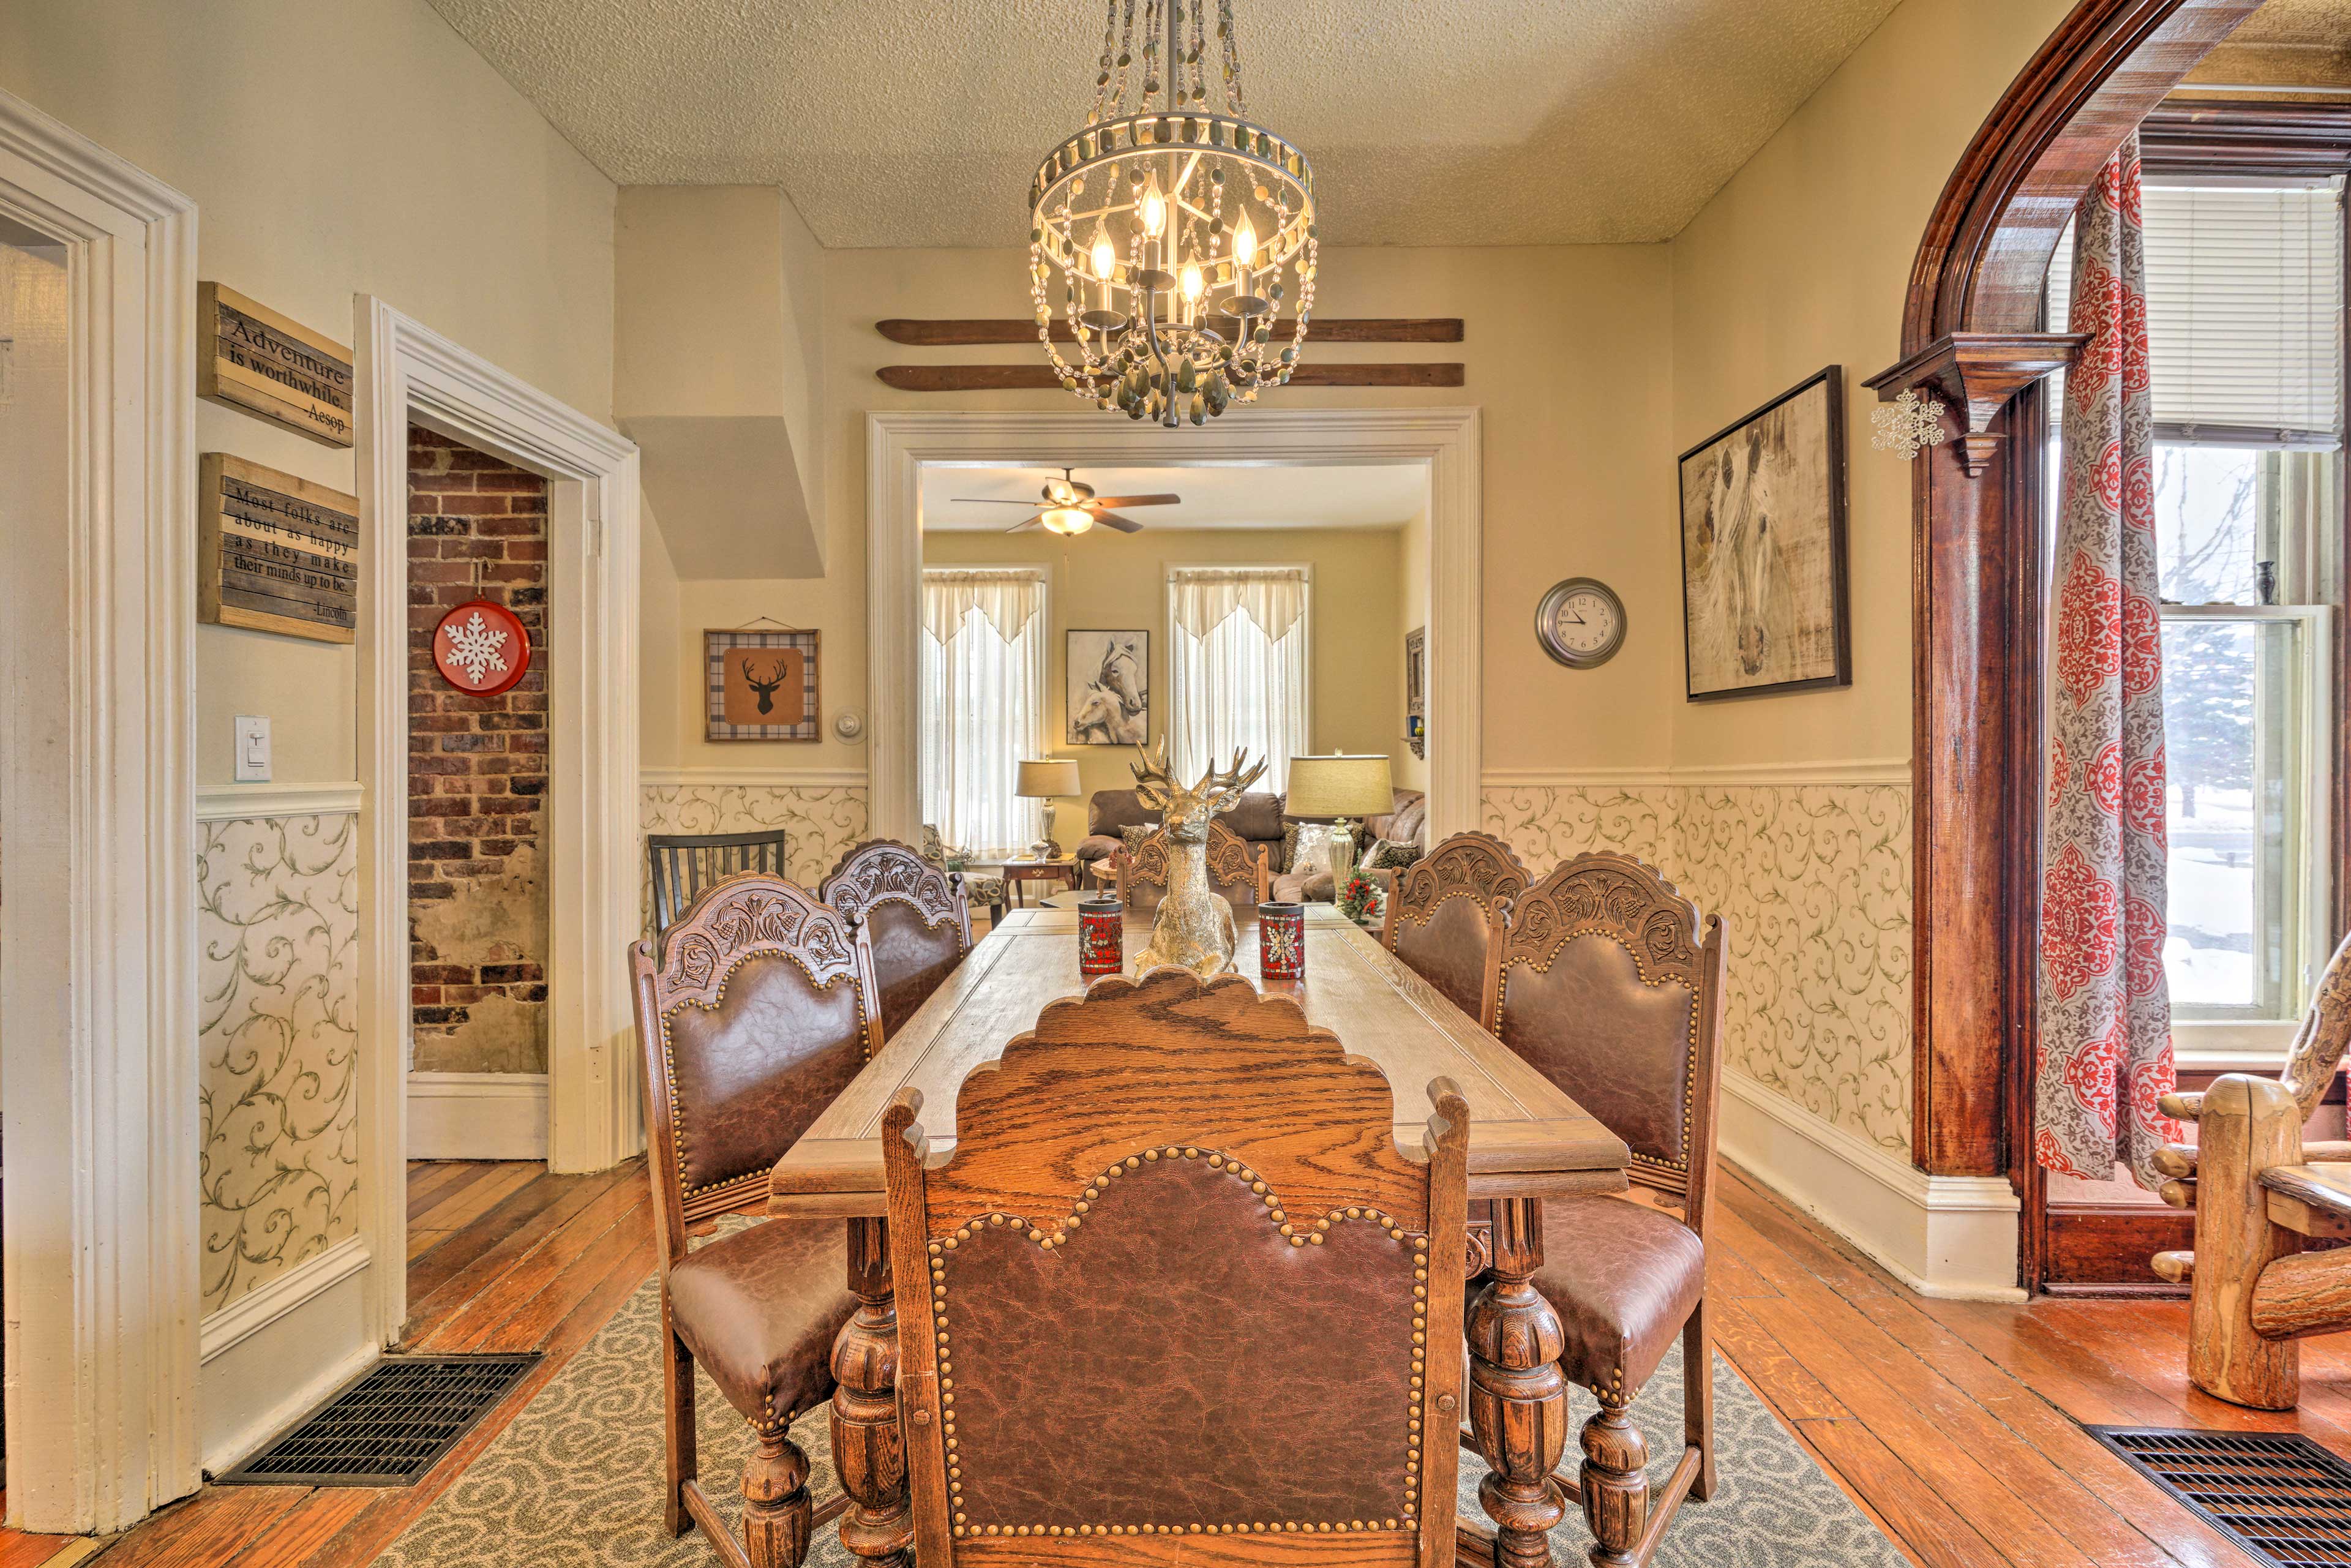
<point x="479" y="802"/>
<point x="1270" y="609"/>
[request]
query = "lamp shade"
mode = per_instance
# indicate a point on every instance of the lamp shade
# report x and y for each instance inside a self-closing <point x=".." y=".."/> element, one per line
<point x="1340" y="787"/>
<point x="1047" y="781"/>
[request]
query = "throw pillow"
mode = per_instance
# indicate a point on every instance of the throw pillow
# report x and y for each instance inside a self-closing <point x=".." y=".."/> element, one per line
<point x="1134" y="834"/>
<point x="1306" y="847"/>
<point x="1390" y="855"/>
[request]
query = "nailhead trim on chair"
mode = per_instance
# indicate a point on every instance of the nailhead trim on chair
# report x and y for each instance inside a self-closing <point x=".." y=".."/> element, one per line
<point x="718" y="997"/>
<point x="1689" y="1062"/>
<point x="1297" y="1236"/>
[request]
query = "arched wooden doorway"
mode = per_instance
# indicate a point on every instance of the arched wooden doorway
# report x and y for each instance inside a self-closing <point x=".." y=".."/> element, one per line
<point x="1971" y="332"/>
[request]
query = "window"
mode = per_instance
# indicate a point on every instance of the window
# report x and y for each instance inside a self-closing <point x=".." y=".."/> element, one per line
<point x="1237" y="662"/>
<point x="2244" y="308"/>
<point x="982" y="705"/>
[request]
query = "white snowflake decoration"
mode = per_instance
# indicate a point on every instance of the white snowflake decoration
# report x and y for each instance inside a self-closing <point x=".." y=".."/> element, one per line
<point x="474" y="648"/>
<point x="1909" y="425"/>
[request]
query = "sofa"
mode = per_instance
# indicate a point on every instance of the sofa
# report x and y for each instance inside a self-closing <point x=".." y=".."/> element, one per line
<point x="1257" y="819"/>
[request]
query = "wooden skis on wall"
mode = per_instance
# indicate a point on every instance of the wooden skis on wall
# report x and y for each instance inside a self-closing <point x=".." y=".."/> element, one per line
<point x="1039" y="377"/>
<point x="1013" y="329"/>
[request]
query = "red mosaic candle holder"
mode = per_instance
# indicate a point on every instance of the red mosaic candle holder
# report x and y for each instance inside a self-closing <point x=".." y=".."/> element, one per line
<point x="1281" y="941"/>
<point x="1101" y="937"/>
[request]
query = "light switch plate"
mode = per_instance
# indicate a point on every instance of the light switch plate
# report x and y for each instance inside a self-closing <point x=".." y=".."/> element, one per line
<point x="252" y="749"/>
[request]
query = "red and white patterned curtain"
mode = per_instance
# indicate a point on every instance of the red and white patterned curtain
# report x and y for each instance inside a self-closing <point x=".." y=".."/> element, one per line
<point x="2104" y="1010"/>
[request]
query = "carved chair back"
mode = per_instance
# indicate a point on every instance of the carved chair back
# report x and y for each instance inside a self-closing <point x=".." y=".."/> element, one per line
<point x="683" y="864"/>
<point x="916" y="917"/>
<point x="1445" y="916"/>
<point x="2317" y="1050"/>
<point x="1611" y="985"/>
<point x="1236" y="871"/>
<point x="757" y="1014"/>
<point x="1180" y="1200"/>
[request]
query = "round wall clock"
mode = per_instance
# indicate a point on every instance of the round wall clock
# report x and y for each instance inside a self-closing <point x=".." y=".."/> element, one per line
<point x="480" y="648"/>
<point x="1581" y="622"/>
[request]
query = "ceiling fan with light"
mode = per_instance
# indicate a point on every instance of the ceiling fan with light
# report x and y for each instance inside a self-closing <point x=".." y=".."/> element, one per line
<point x="1072" y="507"/>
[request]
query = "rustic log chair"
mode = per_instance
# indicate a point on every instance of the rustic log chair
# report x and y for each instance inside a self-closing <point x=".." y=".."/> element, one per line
<point x="683" y="864"/>
<point x="1610" y="985"/>
<point x="916" y="919"/>
<point x="1178" y="1203"/>
<point x="1445" y="916"/>
<point x="1238" y="869"/>
<point x="2258" y="1190"/>
<point x="758" y="1013"/>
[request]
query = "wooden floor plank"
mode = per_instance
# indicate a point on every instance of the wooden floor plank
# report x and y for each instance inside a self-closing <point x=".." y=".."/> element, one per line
<point x="472" y="1326"/>
<point x="429" y="1184"/>
<point x="2166" y="1531"/>
<point x="1941" y="1432"/>
<point x="19" y="1548"/>
<point x="310" y="1525"/>
<point x="1916" y="1510"/>
<point x="217" y="1525"/>
<point x="464" y="1204"/>
<point x="461" y="1267"/>
<point x="1765" y="1363"/>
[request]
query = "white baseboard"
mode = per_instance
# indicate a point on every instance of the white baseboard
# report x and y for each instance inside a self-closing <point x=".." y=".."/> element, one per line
<point x="1952" y="1236"/>
<point x="477" y="1115"/>
<point x="272" y="1355"/>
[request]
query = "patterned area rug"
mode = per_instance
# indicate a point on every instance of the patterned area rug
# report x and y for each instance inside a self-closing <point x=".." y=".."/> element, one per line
<point x="575" y="1481"/>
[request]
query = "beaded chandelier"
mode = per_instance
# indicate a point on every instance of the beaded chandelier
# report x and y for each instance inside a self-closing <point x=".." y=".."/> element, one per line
<point x="1167" y="231"/>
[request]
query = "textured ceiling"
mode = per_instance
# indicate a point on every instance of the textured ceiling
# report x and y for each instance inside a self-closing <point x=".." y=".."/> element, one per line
<point x="1375" y="497"/>
<point x="917" y="122"/>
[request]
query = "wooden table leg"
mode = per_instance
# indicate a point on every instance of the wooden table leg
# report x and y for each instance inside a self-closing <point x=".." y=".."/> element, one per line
<point x="1517" y="1397"/>
<point x="868" y="1449"/>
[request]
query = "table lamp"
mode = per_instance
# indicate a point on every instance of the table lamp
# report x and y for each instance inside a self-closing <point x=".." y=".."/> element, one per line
<point x="1339" y="788"/>
<point x="1047" y="781"/>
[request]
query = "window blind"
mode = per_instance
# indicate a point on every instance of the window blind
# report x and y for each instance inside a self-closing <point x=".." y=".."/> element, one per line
<point x="2244" y="309"/>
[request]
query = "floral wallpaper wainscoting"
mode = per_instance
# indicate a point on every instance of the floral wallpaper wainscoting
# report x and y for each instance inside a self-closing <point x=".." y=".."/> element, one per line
<point x="821" y="821"/>
<point x="1812" y="881"/>
<point x="278" y="934"/>
<point x="1547" y="823"/>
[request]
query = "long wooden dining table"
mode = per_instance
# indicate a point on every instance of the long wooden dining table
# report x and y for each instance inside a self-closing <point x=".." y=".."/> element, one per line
<point x="1528" y="1142"/>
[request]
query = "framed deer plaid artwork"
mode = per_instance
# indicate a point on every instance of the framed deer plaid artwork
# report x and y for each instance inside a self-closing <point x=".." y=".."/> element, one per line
<point x="759" y="686"/>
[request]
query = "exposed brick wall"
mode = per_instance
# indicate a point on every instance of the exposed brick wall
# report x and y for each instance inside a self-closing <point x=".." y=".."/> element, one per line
<point x="478" y="770"/>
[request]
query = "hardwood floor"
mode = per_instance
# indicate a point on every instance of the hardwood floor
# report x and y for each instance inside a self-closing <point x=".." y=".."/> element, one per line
<point x="1953" y="1424"/>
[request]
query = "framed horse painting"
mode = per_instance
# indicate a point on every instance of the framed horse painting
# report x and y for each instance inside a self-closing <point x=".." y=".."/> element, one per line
<point x="1108" y="677"/>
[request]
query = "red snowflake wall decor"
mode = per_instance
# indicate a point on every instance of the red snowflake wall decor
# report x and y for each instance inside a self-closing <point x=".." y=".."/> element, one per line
<point x="480" y="648"/>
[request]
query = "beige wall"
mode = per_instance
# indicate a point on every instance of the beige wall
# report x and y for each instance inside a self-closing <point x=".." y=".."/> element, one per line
<point x="1112" y="582"/>
<point x="1800" y="262"/>
<point x="1569" y="356"/>
<point x="335" y="148"/>
<point x="1412" y="610"/>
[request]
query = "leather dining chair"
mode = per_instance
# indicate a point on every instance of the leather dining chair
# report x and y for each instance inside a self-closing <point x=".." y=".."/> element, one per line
<point x="1237" y="869"/>
<point x="1180" y="1285"/>
<point x="1611" y="986"/>
<point x="916" y="919"/>
<point x="1445" y="916"/>
<point x="757" y="1014"/>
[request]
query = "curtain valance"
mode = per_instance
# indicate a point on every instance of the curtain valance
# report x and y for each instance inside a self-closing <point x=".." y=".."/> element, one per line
<point x="1010" y="600"/>
<point x="1273" y="597"/>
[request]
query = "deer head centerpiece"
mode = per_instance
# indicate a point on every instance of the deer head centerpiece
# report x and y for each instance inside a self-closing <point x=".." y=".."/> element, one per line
<point x="1195" y="927"/>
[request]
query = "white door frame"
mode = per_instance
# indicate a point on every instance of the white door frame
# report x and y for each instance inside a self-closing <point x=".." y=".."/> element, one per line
<point x="1444" y="441"/>
<point x="408" y="373"/>
<point x="97" y="991"/>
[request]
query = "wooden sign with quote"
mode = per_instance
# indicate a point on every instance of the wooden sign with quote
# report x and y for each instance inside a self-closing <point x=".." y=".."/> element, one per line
<point x="274" y="552"/>
<point x="249" y="357"/>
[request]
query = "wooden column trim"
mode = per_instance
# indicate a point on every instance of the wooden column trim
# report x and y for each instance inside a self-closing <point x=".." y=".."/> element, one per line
<point x="1968" y="330"/>
<point x="1979" y="373"/>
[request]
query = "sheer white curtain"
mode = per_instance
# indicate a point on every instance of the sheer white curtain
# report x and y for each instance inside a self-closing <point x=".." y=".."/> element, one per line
<point x="1238" y="663"/>
<point x="983" y="707"/>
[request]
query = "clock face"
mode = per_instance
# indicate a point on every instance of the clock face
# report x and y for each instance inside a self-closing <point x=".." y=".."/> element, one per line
<point x="1581" y="622"/>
